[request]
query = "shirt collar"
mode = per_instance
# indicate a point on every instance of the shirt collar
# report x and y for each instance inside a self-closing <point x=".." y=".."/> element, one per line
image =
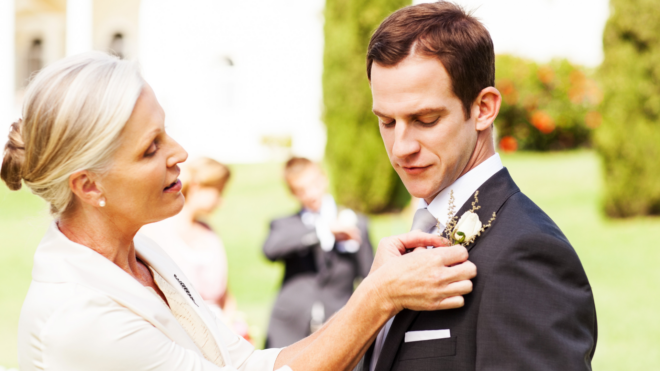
<point x="463" y="188"/>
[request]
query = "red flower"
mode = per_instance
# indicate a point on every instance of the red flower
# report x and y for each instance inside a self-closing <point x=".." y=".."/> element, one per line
<point x="543" y="122"/>
<point x="509" y="144"/>
<point x="593" y="120"/>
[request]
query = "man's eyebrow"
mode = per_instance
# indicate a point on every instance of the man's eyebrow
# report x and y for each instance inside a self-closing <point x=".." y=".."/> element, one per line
<point x="378" y="113"/>
<point x="421" y="112"/>
<point x="426" y="111"/>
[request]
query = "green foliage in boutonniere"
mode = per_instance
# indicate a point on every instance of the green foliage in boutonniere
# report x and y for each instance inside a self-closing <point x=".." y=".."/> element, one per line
<point x="465" y="230"/>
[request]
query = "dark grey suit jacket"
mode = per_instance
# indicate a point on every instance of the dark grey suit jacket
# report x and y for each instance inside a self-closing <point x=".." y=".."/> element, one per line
<point x="531" y="308"/>
<point x="310" y="275"/>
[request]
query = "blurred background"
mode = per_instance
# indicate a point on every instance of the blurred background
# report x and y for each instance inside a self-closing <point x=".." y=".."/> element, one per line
<point x="253" y="82"/>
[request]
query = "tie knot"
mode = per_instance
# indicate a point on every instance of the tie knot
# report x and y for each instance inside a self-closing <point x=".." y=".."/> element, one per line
<point x="423" y="221"/>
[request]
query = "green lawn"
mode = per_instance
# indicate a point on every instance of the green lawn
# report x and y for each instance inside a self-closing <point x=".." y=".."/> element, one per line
<point x="619" y="256"/>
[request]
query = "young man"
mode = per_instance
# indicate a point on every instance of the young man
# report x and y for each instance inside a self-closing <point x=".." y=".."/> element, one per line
<point x="324" y="250"/>
<point x="432" y="71"/>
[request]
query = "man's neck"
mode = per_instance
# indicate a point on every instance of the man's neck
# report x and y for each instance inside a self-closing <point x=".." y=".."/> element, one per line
<point x="483" y="150"/>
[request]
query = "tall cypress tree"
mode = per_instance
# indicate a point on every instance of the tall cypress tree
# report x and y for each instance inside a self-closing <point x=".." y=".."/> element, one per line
<point x="629" y="138"/>
<point x="362" y="176"/>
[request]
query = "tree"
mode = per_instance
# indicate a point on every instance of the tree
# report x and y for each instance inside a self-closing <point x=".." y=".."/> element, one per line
<point x="629" y="138"/>
<point x="361" y="174"/>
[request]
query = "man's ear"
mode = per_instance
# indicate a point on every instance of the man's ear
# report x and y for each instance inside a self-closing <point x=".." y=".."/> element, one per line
<point x="486" y="107"/>
<point x="84" y="186"/>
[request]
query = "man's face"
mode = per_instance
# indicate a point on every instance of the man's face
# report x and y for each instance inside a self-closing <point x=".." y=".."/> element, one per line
<point x="422" y="122"/>
<point x="309" y="187"/>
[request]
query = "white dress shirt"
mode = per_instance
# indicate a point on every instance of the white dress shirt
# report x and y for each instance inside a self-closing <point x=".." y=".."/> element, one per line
<point x="463" y="189"/>
<point x="324" y="218"/>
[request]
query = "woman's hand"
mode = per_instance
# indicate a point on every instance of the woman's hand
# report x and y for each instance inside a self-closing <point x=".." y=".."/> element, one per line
<point x="423" y="280"/>
<point x="395" y="246"/>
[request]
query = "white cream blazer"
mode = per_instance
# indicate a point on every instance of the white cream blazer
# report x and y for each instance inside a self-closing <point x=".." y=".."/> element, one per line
<point x="82" y="312"/>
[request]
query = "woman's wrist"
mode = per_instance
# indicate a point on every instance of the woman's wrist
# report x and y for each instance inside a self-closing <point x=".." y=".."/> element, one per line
<point x="375" y="290"/>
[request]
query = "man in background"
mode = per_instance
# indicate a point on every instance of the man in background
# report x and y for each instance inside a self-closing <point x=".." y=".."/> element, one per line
<point x="325" y="250"/>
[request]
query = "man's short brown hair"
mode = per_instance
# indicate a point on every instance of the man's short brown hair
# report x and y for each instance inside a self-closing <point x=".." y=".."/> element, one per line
<point x="296" y="166"/>
<point x="441" y="29"/>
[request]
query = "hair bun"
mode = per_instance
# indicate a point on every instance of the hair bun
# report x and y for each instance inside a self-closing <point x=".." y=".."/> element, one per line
<point x="14" y="156"/>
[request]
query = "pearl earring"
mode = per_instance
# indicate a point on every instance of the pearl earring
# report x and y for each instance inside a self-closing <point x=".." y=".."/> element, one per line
<point x="102" y="203"/>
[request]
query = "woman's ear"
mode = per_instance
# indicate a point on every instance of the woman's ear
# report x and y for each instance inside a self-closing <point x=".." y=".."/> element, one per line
<point x="84" y="186"/>
<point x="488" y="102"/>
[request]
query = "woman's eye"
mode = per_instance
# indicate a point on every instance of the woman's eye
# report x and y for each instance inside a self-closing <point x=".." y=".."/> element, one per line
<point x="151" y="150"/>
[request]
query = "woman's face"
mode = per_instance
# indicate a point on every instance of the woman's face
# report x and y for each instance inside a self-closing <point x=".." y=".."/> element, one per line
<point x="203" y="200"/>
<point x="142" y="184"/>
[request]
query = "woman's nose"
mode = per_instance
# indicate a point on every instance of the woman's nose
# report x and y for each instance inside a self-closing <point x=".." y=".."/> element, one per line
<point x="178" y="155"/>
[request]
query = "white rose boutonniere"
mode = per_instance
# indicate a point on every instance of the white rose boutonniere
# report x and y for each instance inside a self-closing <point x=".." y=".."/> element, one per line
<point x="465" y="230"/>
<point x="468" y="227"/>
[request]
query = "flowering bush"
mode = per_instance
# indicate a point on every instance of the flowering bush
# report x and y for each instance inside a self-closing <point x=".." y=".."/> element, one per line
<point x="545" y="107"/>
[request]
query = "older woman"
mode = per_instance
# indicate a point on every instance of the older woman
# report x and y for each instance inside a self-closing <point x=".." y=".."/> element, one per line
<point x="92" y="143"/>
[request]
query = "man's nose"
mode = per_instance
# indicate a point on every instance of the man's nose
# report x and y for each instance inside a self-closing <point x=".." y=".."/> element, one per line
<point x="405" y="143"/>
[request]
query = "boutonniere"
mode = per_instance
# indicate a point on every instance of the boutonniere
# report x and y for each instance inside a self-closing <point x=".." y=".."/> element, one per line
<point x="465" y="230"/>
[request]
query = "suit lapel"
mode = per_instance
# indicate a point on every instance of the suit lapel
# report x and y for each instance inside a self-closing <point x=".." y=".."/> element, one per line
<point x="401" y="323"/>
<point x="492" y="195"/>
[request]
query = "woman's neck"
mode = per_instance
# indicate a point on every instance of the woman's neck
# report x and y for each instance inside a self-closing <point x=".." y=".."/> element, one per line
<point x="189" y="215"/>
<point x="103" y="235"/>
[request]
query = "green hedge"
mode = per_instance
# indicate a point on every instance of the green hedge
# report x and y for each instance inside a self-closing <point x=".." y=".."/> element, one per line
<point x="550" y="106"/>
<point x="361" y="174"/>
<point x="629" y="139"/>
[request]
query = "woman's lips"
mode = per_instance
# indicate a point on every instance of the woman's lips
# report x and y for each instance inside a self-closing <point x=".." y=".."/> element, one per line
<point x="415" y="170"/>
<point x="174" y="187"/>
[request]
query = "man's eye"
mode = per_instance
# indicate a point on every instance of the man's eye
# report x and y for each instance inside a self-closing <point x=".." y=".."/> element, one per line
<point x="429" y="123"/>
<point x="388" y="124"/>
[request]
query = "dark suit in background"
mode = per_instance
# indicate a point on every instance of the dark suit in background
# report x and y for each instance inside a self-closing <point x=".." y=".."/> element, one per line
<point x="531" y="309"/>
<point x="310" y="275"/>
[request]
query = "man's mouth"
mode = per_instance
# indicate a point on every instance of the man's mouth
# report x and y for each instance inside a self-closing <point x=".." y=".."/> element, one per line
<point x="415" y="170"/>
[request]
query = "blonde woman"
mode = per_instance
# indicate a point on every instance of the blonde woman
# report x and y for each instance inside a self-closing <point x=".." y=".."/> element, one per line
<point x="92" y="143"/>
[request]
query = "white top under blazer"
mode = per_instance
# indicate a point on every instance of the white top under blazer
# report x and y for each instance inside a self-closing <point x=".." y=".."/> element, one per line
<point x="83" y="312"/>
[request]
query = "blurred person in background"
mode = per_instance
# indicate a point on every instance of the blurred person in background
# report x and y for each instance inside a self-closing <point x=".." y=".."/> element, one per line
<point x="92" y="144"/>
<point x="325" y="250"/>
<point x="191" y="242"/>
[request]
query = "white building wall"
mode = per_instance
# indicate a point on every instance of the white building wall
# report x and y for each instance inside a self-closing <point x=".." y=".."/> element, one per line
<point x="272" y="90"/>
<point x="7" y="17"/>
<point x="79" y="26"/>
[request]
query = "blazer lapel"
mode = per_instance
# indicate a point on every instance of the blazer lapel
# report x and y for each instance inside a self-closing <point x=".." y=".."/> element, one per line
<point x="59" y="259"/>
<point x="401" y="323"/>
<point x="158" y="259"/>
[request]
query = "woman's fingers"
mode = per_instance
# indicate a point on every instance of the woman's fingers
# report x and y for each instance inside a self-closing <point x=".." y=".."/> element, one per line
<point x="463" y="271"/>
<point x="452" y="303"/>
<point x="452" y="255"/>
<point x="416" y="239"/>
<point x="458" y="288"/>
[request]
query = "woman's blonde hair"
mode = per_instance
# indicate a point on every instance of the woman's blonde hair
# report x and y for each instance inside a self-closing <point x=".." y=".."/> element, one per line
<point x="205" y="172"/>
<point x="74" y="112"/>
